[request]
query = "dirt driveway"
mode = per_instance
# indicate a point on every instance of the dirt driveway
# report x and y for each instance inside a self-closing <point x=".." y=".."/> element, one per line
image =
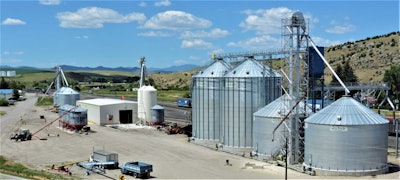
<point x="172" y="156"/>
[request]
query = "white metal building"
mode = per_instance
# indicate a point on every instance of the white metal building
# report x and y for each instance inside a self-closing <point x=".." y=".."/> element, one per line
<point x="110" y="111"/>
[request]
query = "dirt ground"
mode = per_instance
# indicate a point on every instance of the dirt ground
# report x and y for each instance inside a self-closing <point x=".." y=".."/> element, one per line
<point x="172" y="156"/>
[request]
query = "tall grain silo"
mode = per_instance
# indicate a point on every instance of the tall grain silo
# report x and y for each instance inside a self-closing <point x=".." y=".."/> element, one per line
<point x="206" y="100"/>
<point x="265" y="120"/>
<point x="346" y="138"/>
<point x="247" y="88"/>
<point x="147" y="98"/>
<point x="65" y="95"/>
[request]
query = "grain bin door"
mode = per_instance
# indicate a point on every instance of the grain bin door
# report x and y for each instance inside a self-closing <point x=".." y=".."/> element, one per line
<point x="125" y="116"/>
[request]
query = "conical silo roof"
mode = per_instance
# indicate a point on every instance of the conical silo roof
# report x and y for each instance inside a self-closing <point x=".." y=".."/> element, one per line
<point x="217" y="69"/>
<point x="252" y="68"/>
<point x="66" y="90"/>
<point x="279" y="107"/>
<point x="346" y="111"/>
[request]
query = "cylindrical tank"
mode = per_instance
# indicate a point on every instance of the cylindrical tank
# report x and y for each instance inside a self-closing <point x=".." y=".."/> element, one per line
<point x="157" y="115"/>
<point x="346" y="138"/>
<point x="65" y="95"/>
<point x="206" y="97"/>
<point x="265" y="142"/>
<point x="73" y="118"/>
<point x="247" y="88"/>
<point x="147" y="98"/>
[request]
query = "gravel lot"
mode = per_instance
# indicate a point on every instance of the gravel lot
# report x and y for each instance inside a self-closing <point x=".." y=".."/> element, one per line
<point x="172" y="156"/>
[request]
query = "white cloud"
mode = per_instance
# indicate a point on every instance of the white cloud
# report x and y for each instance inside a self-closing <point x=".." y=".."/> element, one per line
<point x="325" y="42"/>
<point x="82" y="37"/>
<point x="12" y="21"/>
<point x="196" y="43"/>
<point x="19" y="52"/>
<point x="260" y="42"/>
<point x="162" y="3"/>
<point x="176" y="20"/>
<point x="269" y="21"/>
<point x="154" y="34"/>
<point x="10" y="61"/>
<point x="142" y="4"/>
<point x="180" y="62"/>
<point x="215" y="33"/>
<point x="95" y="17"/>
<point x="340" y="28"/>
<point x="49" y="2"/>
<point x="265" y="21"/>
<point x="15" y="52"/>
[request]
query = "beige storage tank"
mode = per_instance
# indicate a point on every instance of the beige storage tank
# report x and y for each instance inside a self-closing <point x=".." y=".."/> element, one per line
<point x="147" y="98"/>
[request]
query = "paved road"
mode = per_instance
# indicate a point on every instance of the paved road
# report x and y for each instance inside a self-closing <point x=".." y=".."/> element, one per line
<point x="9" y="177"/>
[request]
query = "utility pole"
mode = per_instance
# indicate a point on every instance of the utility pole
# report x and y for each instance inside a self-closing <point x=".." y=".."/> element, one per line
<point x="286" y="159"/>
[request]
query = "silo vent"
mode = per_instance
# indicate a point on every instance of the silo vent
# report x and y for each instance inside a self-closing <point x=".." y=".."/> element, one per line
<point x="339" y="118"/>
<point x="212" y="73"/>
<point x="247" y="72"/>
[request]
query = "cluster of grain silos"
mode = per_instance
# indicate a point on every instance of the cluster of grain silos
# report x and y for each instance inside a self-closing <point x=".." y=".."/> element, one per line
<point x="224" y="100"/>
<point x="11" y="73"/>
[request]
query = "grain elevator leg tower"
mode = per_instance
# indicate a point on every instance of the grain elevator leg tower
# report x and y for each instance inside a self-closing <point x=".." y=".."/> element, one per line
<point x="295" y="66"/>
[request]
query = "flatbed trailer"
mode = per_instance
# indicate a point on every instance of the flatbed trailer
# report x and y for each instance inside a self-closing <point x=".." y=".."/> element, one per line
<point x="97" y="167"/>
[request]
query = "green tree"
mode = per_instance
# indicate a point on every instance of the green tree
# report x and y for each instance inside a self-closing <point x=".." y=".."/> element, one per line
<point x="348" y="73"/>
<point x="4" y="84"/>
<point x="345" y="72"/>
<point x="392" y="77"/>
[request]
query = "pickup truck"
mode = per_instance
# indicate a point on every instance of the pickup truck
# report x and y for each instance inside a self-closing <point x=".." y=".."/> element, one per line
<point x="138" y="169"/>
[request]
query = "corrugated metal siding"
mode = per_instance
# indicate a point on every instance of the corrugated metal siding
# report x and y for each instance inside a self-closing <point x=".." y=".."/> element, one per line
<point x="346" y="148"/>
<point x="350" y="111"/>
<point x="206" y="94"/>
<point x="246" y="89"/>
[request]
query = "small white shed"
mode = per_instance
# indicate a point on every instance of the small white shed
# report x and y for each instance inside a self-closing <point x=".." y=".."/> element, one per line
<point x="110" y="111"/>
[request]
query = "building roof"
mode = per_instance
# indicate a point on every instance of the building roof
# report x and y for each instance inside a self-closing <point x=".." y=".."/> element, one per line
<point x="217" y="69"/>
<point x="278" y="108"/>
<point x="346" y="111"/>
<point x="103" y="101"/>
<point x="157" y="107"/>
<point x="68" y="107"/>
<point x="66" y="90"/>
<point x="252" y="68"/>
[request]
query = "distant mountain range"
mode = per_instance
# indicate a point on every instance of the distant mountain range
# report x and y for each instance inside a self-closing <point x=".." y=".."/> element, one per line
<point x="184" y="67"/>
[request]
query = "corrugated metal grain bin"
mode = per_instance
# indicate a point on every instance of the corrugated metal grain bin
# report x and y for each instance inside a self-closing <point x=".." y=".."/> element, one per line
<point x="157" y="115"/>
<point x="346" y="138"/>
<point x="206" y="99"/>
<point x="65" y="95"/>
<point x="246" y="89"/>
<point x="265" y="142"/>
<point x="74" y="118"/>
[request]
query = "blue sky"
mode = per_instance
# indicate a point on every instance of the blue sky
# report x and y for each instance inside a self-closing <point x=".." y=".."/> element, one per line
<point x="114" y="33"/>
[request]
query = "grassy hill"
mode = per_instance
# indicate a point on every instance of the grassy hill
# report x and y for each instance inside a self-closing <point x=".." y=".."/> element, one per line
<point x="369" y="58"/>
